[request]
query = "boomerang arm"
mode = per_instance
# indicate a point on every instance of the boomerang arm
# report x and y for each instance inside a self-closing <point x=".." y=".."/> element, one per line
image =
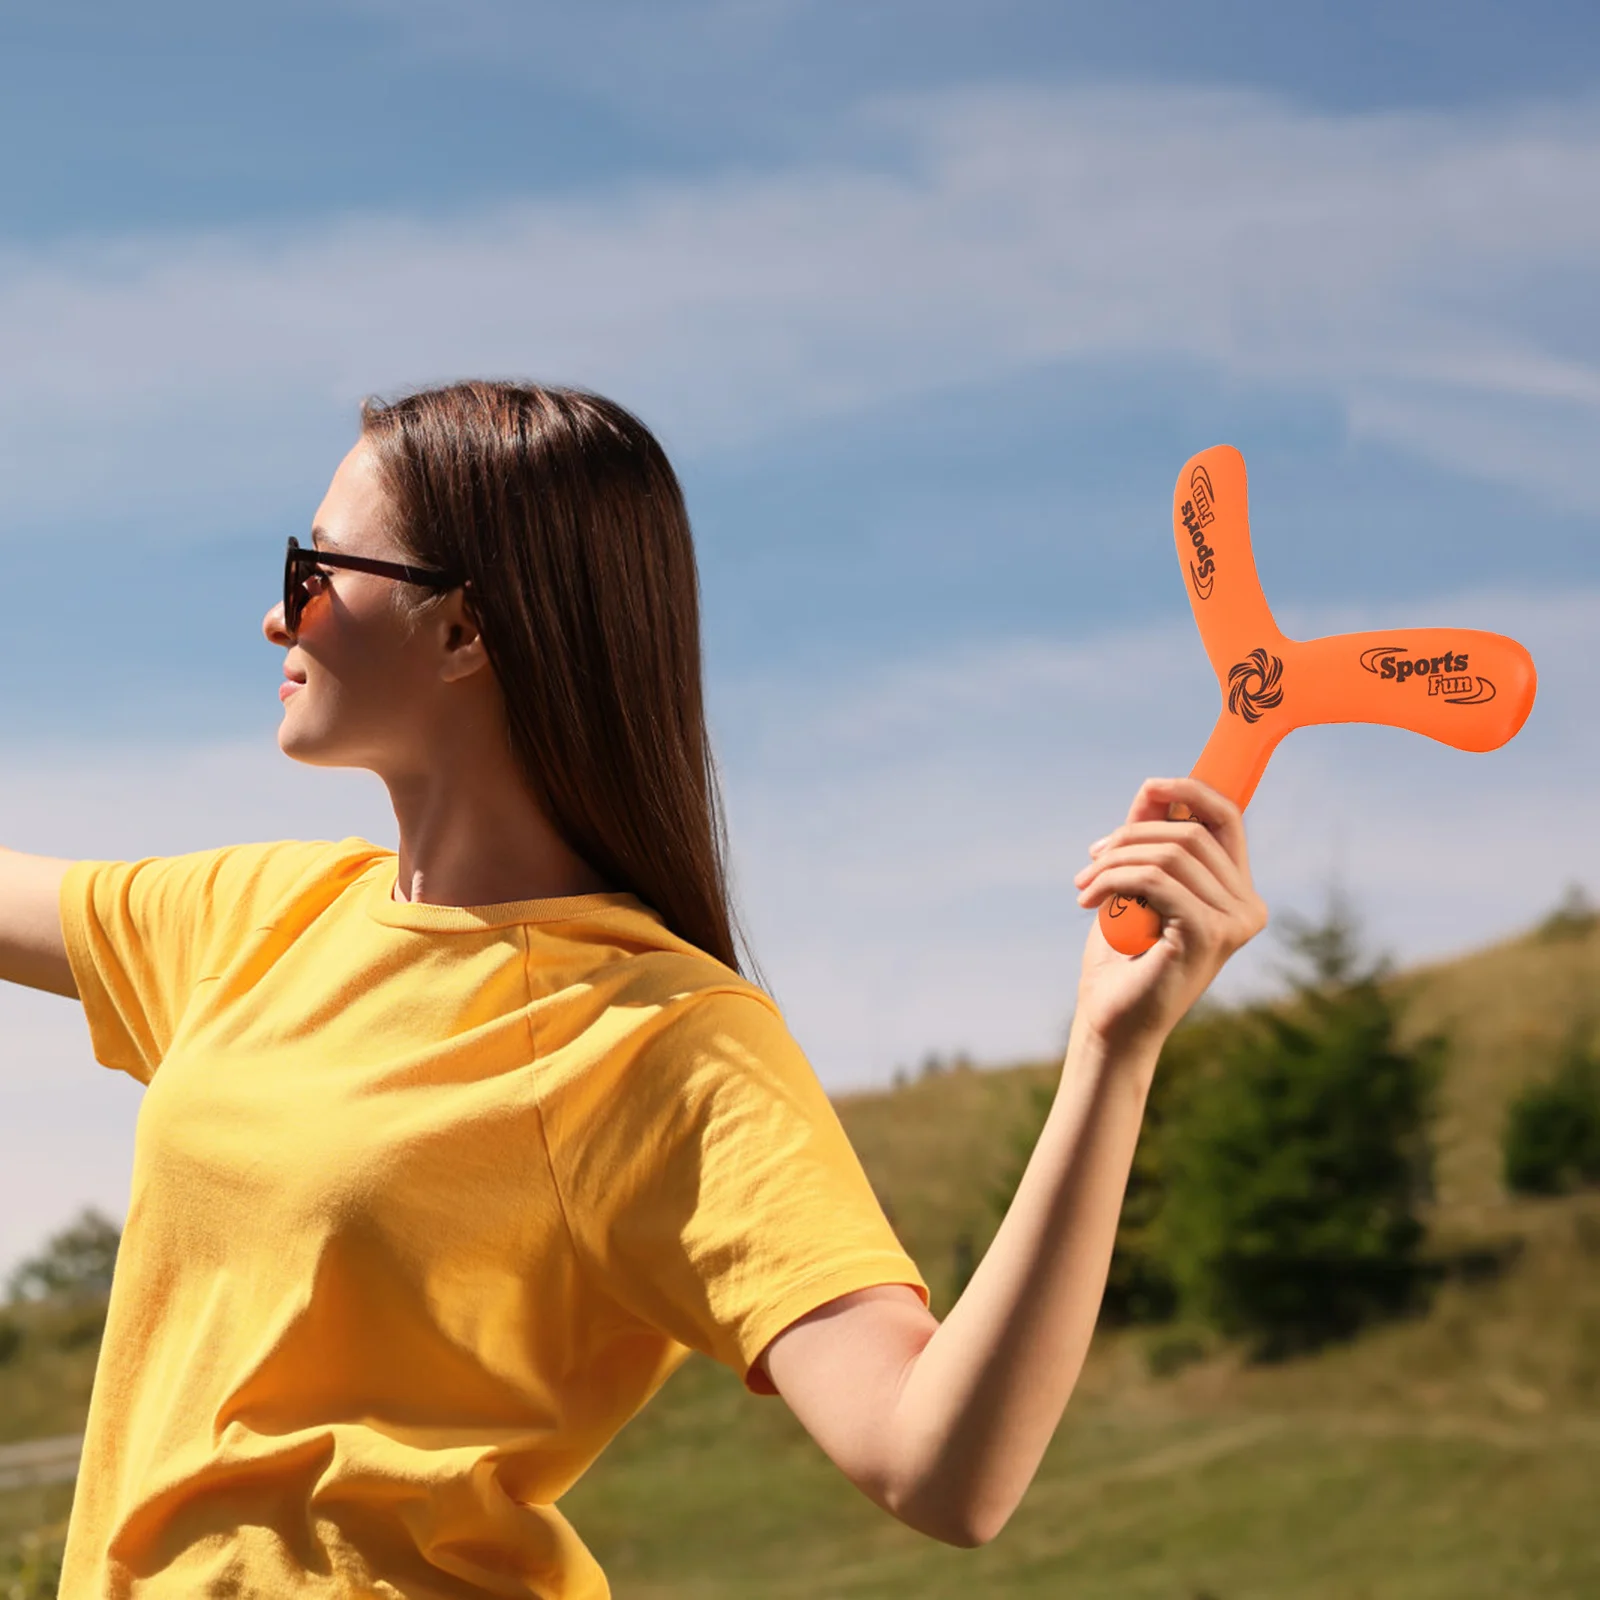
<point x="1463" y="687"/>
<point x="1211" y="528"/>
<point x="1236" y="755"/>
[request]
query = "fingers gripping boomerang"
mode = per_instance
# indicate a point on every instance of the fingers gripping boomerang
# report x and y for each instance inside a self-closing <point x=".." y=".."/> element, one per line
<point x="1465" y="688"/>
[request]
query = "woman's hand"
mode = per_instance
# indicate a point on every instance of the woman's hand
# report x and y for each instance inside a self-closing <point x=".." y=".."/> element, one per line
<point x="1195" y="874"/>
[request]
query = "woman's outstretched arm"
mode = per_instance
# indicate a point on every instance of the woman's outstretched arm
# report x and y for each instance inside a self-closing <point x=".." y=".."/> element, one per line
<point x="944" y="1424"/>
<point x="32" y="950"/>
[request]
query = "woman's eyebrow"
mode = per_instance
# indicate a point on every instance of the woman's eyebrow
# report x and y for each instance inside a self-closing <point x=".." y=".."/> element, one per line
<point x="319" y="538"/>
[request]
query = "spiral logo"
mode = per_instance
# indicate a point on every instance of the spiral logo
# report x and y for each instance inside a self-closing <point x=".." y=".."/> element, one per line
<point x="1253" y="685"/>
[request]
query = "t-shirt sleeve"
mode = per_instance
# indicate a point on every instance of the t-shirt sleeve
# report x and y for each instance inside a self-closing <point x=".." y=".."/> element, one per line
<point x="141" y="935"/>
<point x="708" y="1181"/>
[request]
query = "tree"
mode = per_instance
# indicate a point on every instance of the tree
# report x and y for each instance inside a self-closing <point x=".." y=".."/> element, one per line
<point x="77" y="1262"/>
<point x="1295" y="1178"/>
<point x="1551" y="1142"/>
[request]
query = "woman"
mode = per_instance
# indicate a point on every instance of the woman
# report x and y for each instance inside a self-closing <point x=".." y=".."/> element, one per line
<point x="450" y="1155"/>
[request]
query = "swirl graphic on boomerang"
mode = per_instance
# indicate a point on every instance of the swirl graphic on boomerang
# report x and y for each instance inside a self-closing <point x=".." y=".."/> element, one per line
<point x="1247" y="701"/>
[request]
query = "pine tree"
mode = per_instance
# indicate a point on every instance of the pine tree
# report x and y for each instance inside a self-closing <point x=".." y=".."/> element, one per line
<point x="1295" y="1179"/>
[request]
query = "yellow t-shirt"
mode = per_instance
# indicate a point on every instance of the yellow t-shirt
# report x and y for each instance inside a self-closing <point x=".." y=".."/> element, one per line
<point x="427" y="1202"/>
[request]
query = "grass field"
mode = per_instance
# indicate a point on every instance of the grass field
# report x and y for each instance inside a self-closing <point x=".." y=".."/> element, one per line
<point x="1165" y="1497"/>
<point x="1455" y="1454"/>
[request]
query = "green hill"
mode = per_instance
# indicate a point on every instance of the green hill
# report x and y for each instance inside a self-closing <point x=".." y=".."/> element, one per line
<point x="1451" y="1454"/>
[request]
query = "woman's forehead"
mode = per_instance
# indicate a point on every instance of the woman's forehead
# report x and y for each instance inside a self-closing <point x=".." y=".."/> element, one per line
<point x="354" y="513"/>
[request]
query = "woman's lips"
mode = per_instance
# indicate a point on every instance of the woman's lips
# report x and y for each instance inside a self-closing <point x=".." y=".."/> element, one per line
<point x="288" y="687"/>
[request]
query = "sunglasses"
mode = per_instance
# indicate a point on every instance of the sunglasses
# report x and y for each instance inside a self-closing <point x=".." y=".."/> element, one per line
<point x="300" y="563"/>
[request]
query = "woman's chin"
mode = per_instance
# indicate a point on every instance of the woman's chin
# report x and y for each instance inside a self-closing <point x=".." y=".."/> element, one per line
<point x="301" y="743"/>
<point x="315" y="747"/>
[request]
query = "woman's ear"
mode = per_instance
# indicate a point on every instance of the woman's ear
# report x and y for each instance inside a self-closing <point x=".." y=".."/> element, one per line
<point x="464" y="650"/>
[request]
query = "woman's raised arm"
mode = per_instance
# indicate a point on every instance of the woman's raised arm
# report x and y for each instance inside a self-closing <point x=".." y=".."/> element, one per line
<point x="32" y="950"/>
<point x="944" y="1424"/>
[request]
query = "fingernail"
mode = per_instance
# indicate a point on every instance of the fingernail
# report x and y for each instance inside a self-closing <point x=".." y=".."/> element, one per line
<point x="1099" y="845"/>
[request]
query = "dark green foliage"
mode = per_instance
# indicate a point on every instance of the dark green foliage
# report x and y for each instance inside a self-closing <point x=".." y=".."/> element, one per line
<point x="1551" y="1143"/>
<point x="1293" y="1185"/>
<point x="10" y="1339"/>
<point x="76" y="1264"/>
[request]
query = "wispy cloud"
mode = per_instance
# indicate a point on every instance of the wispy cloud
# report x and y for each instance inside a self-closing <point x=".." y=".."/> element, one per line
<point x="1392" y="263"/>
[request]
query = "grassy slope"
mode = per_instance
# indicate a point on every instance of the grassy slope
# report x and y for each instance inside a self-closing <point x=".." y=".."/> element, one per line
<point x="1451" y="1455"/>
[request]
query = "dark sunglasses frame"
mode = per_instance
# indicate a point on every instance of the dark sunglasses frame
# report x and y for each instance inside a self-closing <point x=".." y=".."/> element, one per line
<point x="297" y="557"/>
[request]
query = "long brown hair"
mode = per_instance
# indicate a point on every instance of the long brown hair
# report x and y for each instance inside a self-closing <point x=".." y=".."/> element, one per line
<point x="565" y="515"/>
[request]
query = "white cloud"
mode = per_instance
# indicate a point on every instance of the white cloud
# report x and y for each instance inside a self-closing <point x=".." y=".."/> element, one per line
<point x="905" y="845"/>
<point x="1386" y="261"/>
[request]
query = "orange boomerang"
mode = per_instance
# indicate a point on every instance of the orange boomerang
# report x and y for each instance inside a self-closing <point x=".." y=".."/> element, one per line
<point x="1465" y="688"/>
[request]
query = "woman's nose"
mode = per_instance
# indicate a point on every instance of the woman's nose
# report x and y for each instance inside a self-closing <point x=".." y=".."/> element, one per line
<point x="272" y="626"/>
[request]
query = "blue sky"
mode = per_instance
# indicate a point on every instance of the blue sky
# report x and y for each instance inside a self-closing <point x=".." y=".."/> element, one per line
<point x="929" y="303"/>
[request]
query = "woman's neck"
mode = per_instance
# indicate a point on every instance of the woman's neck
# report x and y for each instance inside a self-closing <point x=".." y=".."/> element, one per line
<point x="479" y="838"/>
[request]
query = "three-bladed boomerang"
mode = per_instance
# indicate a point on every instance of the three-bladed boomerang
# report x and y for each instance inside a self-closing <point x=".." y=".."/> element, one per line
<point x="1465" y="688"/>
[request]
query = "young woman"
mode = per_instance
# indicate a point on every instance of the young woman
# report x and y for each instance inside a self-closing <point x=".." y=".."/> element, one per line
<point x="448" y="1157"/>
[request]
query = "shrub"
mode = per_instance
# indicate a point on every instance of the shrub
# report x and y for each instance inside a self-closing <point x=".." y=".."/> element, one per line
<point x="1295" y="1177"/>
<point x="1551" y="1141"/>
